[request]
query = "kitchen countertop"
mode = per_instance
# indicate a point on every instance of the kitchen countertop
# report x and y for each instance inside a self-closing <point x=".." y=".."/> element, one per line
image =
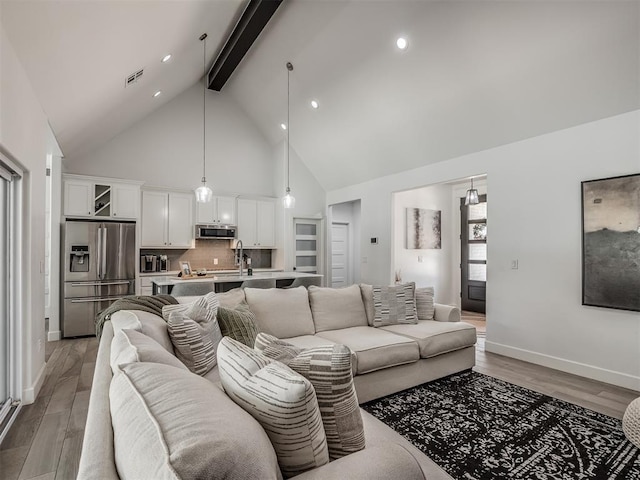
<point x="223" y="277"/>
<point x="214" y="272"/>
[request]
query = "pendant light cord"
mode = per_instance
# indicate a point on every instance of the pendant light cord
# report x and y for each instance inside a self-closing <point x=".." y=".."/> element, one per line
<point x="203" y="37"/>
<point x="289" y="68"/>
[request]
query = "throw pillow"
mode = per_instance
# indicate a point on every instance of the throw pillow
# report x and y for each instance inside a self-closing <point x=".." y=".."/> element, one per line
<point x="238" y="323"/>
<point x="328" y="368"/>
<point x="283" y="312"/>
<point x="129" y="346"/>
<point x="170" y="424"/>
<point x="194" y="332"/>
<point x="336" y="308"/>
<point x="394" y="305"/>
<point x="424" y="303"/>
<point x="282" y="401"/>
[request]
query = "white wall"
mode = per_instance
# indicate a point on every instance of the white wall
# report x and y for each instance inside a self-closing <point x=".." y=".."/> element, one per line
<point x="25" y="137"/>
<point x="435" y="269"/>
<point x="165" y="148"/>
<point x="535" y="312"/>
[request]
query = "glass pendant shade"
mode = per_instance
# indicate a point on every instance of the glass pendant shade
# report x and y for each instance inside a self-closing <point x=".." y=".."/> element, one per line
<point x="289" y="201"/>
<point x="203" y="193"/>
<point x="472" y="196"/>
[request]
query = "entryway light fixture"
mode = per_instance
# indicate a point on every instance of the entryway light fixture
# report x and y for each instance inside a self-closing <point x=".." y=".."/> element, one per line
<point x="472" y="196"/>
<point x="203" y="192"/>
<point x="289" y="201"/>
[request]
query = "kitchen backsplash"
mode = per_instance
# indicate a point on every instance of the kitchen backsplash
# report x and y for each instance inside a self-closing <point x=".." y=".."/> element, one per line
<point x="206" y="250"/>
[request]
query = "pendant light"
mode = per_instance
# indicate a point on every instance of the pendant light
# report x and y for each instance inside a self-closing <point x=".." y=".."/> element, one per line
<point x="289" y="201"/>
<point x="472" y="196"/>
<point x="203" y="192"/>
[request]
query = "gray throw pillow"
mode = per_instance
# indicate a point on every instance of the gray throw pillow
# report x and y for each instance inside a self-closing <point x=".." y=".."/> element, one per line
<point x="328" y="368"/>
<point x="394" y="304"/>
<point x="238" y="323"/>
<point x="424" y="303"/>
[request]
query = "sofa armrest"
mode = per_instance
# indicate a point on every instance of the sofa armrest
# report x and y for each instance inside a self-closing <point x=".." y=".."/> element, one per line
<point x="446" y="313"/>
<point x="372" y="463"/>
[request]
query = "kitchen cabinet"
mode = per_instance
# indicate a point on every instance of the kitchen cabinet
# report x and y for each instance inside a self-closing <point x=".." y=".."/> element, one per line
<point x="167" y="219"/>
<point x="95" y="197"/>
<point x="219" y="211"/>
<point x="256" y="223"/>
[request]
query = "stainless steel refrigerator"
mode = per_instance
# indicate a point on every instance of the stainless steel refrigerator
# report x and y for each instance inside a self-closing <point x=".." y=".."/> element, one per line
<point x="98" y="267"/>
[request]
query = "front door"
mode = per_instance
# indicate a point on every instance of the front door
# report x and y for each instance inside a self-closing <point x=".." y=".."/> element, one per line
<point x="473" y="241"/>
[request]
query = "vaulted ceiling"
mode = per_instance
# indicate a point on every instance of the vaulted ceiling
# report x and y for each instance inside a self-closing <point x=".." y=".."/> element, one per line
<point x="476" y="74"/>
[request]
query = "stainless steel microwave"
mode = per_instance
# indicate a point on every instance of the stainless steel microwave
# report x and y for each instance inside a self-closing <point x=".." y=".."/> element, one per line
<point x="215" y="231"/>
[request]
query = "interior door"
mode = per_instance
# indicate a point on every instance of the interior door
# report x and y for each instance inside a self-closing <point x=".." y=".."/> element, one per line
<point x="307" y="240"/>
<point x="5" y="356"/>
<point x="473" y="255"/>
<point x="340" y="255"/>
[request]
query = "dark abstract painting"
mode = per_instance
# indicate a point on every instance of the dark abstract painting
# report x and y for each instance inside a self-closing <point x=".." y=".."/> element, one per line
<point x="423" y="229"/>
<point x="611" y="242"/>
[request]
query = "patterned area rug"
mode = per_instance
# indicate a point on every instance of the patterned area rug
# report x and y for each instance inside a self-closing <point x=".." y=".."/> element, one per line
<point x="480" y="428"/>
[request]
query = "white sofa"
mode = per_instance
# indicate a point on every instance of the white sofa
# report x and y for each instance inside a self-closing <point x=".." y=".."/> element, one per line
<point x="385" y="360"/>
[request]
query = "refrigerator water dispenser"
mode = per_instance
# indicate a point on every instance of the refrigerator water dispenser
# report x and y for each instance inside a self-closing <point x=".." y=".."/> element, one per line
<point x="79" y="258"/>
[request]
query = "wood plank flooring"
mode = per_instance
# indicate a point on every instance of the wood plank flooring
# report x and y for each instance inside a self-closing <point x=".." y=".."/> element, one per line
<point x="46" y="440"/>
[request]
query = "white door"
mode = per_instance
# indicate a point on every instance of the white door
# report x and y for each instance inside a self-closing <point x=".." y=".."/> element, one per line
<point x="180" y="223"/>
<point x="125" y="201"/>
<point x="308" y="248"/>
<point x="154" y="219"/>
<point x="340" y="255"/>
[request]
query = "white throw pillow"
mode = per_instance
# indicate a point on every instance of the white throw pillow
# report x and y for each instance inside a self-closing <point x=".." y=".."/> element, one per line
<point x="130" y="346"/>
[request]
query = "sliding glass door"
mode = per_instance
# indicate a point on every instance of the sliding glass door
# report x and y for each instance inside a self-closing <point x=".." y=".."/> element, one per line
<point x="5" y="375"/>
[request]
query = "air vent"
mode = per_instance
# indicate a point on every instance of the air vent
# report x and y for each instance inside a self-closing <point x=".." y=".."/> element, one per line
<point x="133" y="78"/>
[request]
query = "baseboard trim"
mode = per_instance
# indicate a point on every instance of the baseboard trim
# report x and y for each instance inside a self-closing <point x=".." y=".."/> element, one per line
<point x="29" y="394"/>
<point x="54" y="336"/>
<point x="582" y="369"/>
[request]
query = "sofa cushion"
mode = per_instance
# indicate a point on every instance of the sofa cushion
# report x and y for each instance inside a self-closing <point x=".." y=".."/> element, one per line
<point x="151" y="325"/>
<point x="375" y="348"/>
<point x="394" y="304"/>
<point x="282" y="401"/>
<point x="194" y="332"/>
<point x="328" y="368"/>
<point x="335" y="308"/>
<point x="232" y="298"/>
<point x="366" y="291"/>
<point x="238" y="323"/>
<point x="281" y="312"/>
<point x="130" y="346"/>
<point x="425" y="307"/>
<point x="170" y="423"/>
<point x="435" y="338"/>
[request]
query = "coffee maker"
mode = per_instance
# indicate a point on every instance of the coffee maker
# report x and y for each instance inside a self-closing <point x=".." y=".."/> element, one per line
<point x="148" y="263"/>
<point x="162" y="263"/>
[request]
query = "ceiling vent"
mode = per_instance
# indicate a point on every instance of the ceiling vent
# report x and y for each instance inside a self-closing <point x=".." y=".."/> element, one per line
<point x="133" y="78"/>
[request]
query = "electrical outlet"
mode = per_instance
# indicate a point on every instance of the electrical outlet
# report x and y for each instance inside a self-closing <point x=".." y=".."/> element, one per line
<point x="419" y="258"/>
<point x="215" y="261"/>
<point x="364" y="259"/>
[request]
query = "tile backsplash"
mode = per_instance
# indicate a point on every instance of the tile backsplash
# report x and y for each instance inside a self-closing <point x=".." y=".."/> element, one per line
<point x="206" y="250"/>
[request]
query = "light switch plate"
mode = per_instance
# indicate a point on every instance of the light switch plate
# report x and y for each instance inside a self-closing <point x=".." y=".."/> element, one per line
<point x="514" y="264"/>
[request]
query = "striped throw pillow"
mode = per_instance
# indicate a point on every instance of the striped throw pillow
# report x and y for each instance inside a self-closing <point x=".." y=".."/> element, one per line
<point x="328" y="368"/>
<point x="281" y="400"/>
<point x="394" y="305"/>
<point x="238" y="323"/>
<point x="194" y="332"/>
<point x="424" y="303"/>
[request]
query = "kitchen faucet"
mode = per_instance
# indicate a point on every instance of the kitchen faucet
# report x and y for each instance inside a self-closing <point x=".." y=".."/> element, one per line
<point x="239" y="257"/>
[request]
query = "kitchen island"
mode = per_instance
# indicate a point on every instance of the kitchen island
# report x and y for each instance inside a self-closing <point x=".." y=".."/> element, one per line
<point x="225" y="282"/>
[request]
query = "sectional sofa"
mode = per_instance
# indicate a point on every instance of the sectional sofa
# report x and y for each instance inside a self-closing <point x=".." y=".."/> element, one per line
<point x="385" y="360"/>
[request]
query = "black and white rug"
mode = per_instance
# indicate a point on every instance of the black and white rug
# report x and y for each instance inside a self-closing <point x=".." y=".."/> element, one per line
<point x="480" y="428"/>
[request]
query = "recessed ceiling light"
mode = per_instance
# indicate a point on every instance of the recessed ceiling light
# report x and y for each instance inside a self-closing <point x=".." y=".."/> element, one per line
<point x="157" y="94"/>
<point x="402" y="43"/>
<point x="314" y="104"/>
<point x="166" y="58"/>
<point x="283" y="126"/>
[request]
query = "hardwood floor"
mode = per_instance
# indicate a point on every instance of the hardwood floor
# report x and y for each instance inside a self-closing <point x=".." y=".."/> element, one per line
<point x="45" y="441"/>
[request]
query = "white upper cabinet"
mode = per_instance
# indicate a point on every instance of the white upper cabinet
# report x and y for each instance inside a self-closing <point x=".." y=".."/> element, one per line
<point x="219" y="211"/>
<point x="256" y="223"/>
<point x="96" y="197"/>
<point x="167" y="219"/>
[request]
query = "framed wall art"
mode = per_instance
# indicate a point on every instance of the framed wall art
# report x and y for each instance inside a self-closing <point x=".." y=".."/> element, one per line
<point x="423" y="229"/>
<point x="611" y="242"/>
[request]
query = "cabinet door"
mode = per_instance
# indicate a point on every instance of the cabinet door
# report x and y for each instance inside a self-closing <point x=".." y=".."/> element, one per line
<point x="266" y="223"/>
<point x="125" y="202"/>
<point x="180" y="225"/>
<point x="78" y="197"/>
<point x="206" y="212"/>
<point x="247" y="222"/>
<point x="226" y="210"/>
<point x="154" y="219"/>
